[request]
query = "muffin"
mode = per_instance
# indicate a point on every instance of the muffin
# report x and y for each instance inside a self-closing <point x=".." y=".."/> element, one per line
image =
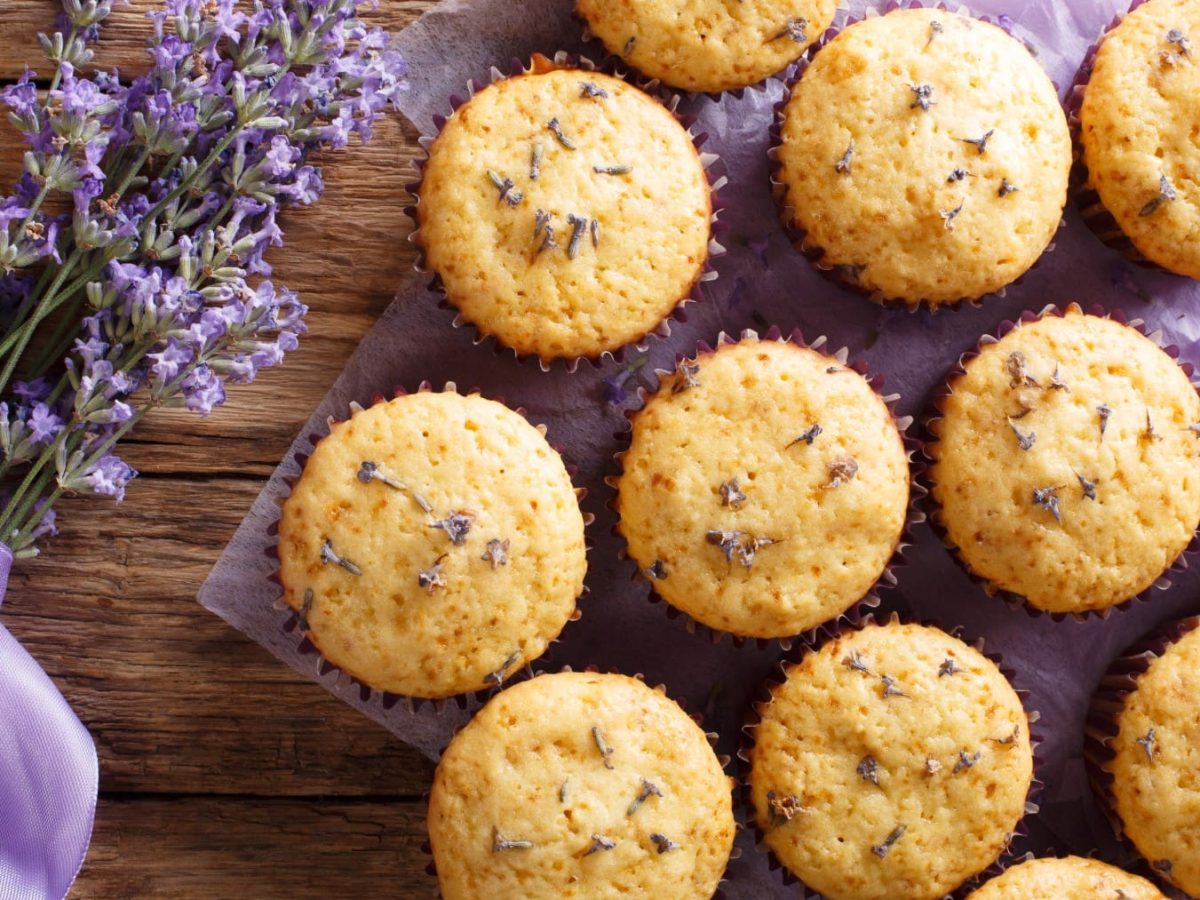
<point x="1151" y="782"/>
<point x="924" y="157"/>
<point x="707" y="45"/>
<point x="765" y="488"/>
<point x="1073" y="878"/>
<point x="580" y="785"/>
<point x="893" y="762"/>
<point x="433" y="545"/>
<point x="1141" y="161"/>
<point x="566" y="212"/>
<point x="1064" y="463"/>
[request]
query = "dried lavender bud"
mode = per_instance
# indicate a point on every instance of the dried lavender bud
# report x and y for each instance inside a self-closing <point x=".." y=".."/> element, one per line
<point x="922" y="96"/>
<point x="1166" y="193"/>
<point x="1047" y="499"/>
<point x="329" y="557"/>
<point x="1147" y="743"/>
<point x="499" y="843"/>
<point x="889" y="687"/>
<point x="1164" y="866"/>
<point x="1195" y="428"/>
<point x="796" y="29"/>
<point x="564" y="791"/>
<point x="505" y="187"/>
<point x="599" y="842"/>
<point x="842" y="166"/>
<point x="1104" y="412"/>
<point x="1006" y="188"/>
<point x="593" y="90"/>
<point x="548" y="242"/>
<point x="832" y="370"/>
<point x="496" y="553"/>
<point x="457" y="526"/>
<point x="595" y="234"/>
<point x="842" y="470"/>
<point x="957" y="175"/>
<point x="782" y="810"/>
<point x="980" y="143"/>
<point x="868" y="770"/>
<point x="948" y="667"/>
<point x="432" y="578"/>
<point x="1011" y="739"/>
<point x="935" y="28"/>
<point x="662" y="842"/>
<point x="1150" y="434"/>
<point x="735" y="543"/>
<point x="1179" y="39"/>
<point x="1056" y="383"/>
<point x="1089" y="486"/>
<point x="578" y="225"/>
<point x="606" y="751"/>
<point x="619" y="169"/>
<point x="966" y="761"/>
<point x="949" y="215"/>
<point x="556" y="130"/>
<point x="657" y="571"/>
<point x="855" y="661"/>
<point x="535" y="161"/>
<point x="1025" y="440"/>
<point x="731" y="494"/>
<point x="305" y="609"/>
<point x="932" y="766"/>
<point x="881" y="850"/>
<point x="813" y="432"/>
<point x="1018" y="371"/>
<point x="628" y="48"/>
<point x="649" y="789"/>
<point x="541" y="219"/>
<point x="688" y="372"/>
<point x="497" y="678"/>
<point x="850" y="271"/>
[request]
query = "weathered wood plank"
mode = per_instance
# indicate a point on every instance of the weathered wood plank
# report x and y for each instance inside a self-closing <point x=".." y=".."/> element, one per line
<point x="124" y="35"/>
<point x="179" y="702"/>
<point x="202" y="848"/>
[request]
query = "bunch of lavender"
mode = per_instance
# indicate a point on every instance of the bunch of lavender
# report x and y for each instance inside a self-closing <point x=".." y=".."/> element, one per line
<point x="148" y="290"/>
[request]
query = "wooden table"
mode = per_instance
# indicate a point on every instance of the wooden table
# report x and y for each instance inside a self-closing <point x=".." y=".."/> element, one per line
<point x="223" y="773"/>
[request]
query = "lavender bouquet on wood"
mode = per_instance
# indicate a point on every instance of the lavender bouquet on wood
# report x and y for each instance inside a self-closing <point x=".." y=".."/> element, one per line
<point x="132" y="270"/>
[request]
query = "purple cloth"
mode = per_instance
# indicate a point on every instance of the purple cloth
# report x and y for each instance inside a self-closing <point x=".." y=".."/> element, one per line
<point x="48" y="776"/>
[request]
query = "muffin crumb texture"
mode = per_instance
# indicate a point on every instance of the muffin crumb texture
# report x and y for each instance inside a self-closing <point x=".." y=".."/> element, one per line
<point x="707" y="45"/>
<point x="925" y="155"/>
<point x="566" y="212"/>
<point x="1065" y="467"/>
<point x="1156" y="770"/>
<point x="433" y="545"/>
<point x="892" y="763"/>
<point x="1072" y="878"/>
<point x="765" y="488"/>
<point x="580" y="785"/>
<point x="1139" y="134"/>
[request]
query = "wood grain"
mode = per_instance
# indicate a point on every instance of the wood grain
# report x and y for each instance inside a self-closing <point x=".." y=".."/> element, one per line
<point x="269" y="764"/>
<point x="200" y="848"/>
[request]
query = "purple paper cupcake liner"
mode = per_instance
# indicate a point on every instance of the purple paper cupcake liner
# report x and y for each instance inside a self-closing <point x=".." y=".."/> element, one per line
<point x="710" y="162"/>
<point x="712" y="737"/>
<point x="1101" y="726"/>
<point x="1087" y="200"/>
<point x="915" y="514"/>
<point x="811" y="642"/>
<point x="931" y="426"/>
<point x="845" y="276"/>
<point x="332" y="676"/>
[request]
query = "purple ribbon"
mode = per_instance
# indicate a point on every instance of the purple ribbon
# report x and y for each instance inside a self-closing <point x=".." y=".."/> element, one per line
<point x="48" y="776"/>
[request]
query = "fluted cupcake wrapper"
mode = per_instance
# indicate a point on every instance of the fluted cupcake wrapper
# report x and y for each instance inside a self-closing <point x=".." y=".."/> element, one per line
<point x="915" y="514"/>
<point x="841" y="275"/>
<point x="811" y="642"/>
<point x="1101" y="726"/>
<point x="327" y="673"/>
<point x="710" y="162"/>
<point x="931" y="427"/>
<point x="546" y="666"/>
<point x="1091" y="208"/>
